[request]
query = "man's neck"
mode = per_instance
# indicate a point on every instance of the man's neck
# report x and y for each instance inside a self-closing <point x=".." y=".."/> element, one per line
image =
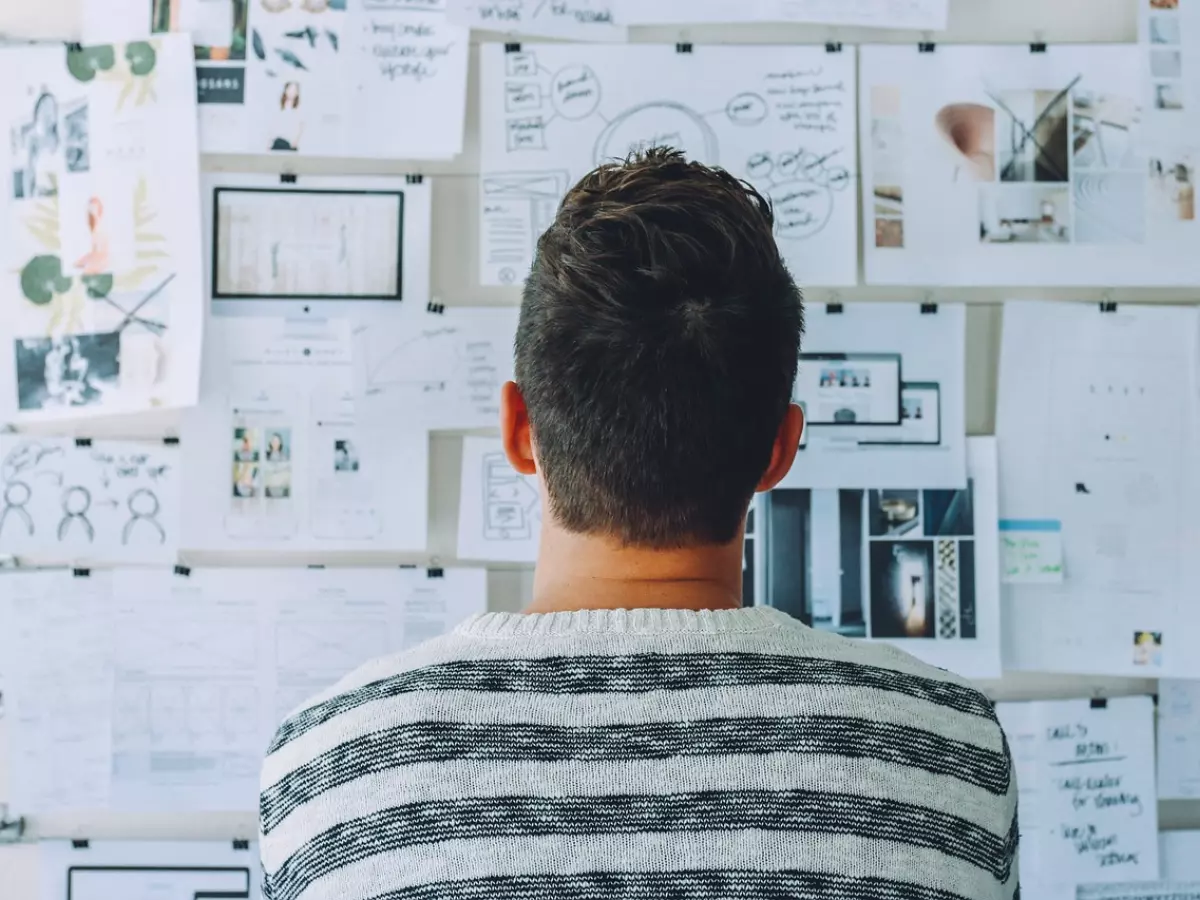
<point x="576" y="571"/>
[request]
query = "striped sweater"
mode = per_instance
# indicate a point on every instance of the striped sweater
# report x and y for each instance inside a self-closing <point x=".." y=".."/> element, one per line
<point x="637" y="755"/>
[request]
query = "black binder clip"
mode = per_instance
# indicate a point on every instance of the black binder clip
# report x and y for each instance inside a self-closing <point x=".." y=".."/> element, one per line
<point x="833" y="309"/>
<point x="926" y="47"/>
<point x="11" y="830"/>
<point x="683" y="48"/>
<point x="436" y="573"/>
<point x="316" y="565"/>
<point x="287" y="178"/>
<point x="183" y="571"/>
<point x="512" y="48"/>
<point x="928" y="309"/>
<point x="74" y="47"/>
<point x="80" y="843"/>
<point x="81" y="573"/>
<point x="1099" y="703"/>
<point x="414" y="179"/>
<point x="1037" y="47"/>
<point x="438" y="308"/>
<point x="241" y="844"/>
<point x="833" y="46"/>
<point x="83" y="442"/>
<point x="171" y="441"/>
<point x="1108" y="306"/>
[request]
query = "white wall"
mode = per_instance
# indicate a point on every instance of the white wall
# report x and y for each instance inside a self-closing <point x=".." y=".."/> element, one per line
<point x="455" y="276"/>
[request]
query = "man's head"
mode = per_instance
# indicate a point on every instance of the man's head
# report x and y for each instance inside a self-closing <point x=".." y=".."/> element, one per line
<point x="655" y="355"/>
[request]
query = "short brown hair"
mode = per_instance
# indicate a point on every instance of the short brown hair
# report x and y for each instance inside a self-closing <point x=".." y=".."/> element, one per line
<point x="656" y="351"/>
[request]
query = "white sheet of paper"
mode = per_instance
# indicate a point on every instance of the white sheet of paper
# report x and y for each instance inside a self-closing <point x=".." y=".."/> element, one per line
<point x="322" y="79"/>
<point x="1179" y="855"/>
<point x="320" y="246"/>
<point x="104" y="306"/>
<point x="882" y="389"/>
<point x="499" y="510"/>
<point x="781" y="117"/>
<point x="1031" y="551"/>
<point x="276" y="457"/>
<point x="1169" y="39"/>
<point x="1145" y="890"/>
<point x="916" y="569"/>
<point x="926" y="15"/>
<point x="574" y="20"/>
<point x="994" y="165"/>
<point x="57" y="648"/>
<point x="436" y="369"/>
<point x="103" y="502"/>
<point x="1178" y="739"/>
<point x="1096" y="424"/>
<point x="1086" y="792"/>
<point x="148" y="870"/>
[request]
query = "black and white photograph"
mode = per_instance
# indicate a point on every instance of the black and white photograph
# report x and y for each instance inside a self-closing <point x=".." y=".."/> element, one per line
<point x="1164" y="29"/>
<point x="894" y="513"/>
<point x="949" y="513"/>
<point x="75" y="137"/>
<point x="1032" y="135"/>
<point x="902" y="589"/>
<point x="72" y="370"/>
<point x="37" y="150"/>
<point x="345" y="455"/>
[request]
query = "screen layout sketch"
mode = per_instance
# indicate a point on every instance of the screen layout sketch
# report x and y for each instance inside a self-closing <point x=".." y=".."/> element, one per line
<point x="918" y="568"/>
<point x="780" y="117"/>
<point x="316" y="239"/>
<point x="882" y="389"/>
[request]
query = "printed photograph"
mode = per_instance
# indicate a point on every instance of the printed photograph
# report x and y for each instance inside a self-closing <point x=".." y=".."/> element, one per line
<point x="279" y="444"/>
<point x="894" y="513"/>
<point x="847" y="378"/>
<point x="912" y="407"/>
<point x="1033" y="135"/>
<point x="277" y="480"/>
<point x="969" y="131"/>
<point x="73" y="370"/>
<point x="245" y="480"/>
<point x="345" y="456"/>
<point x="887" y="158"/>
<point x="949" y="513"/>
<point x="37" y="150"/>
<point x="1172" y="190"/>
<point x="1147" y="649"/>
<point x="1168" y="95"/>
<point x="1024" y="214"/>
<point x="1166" y="63"/>
<point x="889" y="232"/>
<point x="1164" y="4"/>
<point x="1110" y="207"/>
<point x="246" y="444"/>
<point x="218" y="28"/>
<point x="901" y="589"/>
<point x="889" y="200"/>
<point x="1103" y="130"/>
<point x="1164" y="30"/>
<point x="75" y="137"/>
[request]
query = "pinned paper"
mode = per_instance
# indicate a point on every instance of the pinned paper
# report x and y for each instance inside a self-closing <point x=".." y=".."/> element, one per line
<point x="1031" y="551"/>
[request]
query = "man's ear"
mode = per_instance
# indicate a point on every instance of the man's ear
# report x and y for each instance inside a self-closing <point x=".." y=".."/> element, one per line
<point x="514" y="429"/>
<point x="787" y="442"/>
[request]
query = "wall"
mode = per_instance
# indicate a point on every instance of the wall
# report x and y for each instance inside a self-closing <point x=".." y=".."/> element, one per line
<point x="455" y="277"/>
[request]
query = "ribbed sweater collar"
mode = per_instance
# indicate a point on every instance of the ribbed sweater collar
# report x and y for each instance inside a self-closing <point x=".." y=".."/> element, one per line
<point x="625" y="621"/>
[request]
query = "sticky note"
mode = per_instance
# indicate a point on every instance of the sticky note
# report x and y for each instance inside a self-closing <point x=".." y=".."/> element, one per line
<point x="1031" y="551"/>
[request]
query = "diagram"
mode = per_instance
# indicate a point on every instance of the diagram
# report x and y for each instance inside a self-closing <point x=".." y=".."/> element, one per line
<point x="510" y="503"/>
<point x="787" y="126"/>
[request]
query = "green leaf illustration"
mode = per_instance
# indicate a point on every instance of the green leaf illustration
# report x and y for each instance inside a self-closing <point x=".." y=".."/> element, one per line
<point x="141" y="57"/>
<point x="42" y="278"/>
<point x="98" y="286"/>
<point x="84" y="62"/>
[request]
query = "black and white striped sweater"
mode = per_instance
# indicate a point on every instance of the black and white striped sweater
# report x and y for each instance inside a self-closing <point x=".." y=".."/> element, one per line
<point x="637" y="755"/>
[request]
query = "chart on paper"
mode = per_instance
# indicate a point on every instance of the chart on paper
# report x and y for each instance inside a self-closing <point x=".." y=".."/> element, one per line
<point x="782" y="118"/>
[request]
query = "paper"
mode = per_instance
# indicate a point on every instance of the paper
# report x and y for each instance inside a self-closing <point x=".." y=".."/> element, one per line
<point x="340" y="78"/>
<point x="925" y="15"/>
<point x="998" y="166"/>
<point x="277" y="457"/>
<point x="1031" y="551"/>
<point x="1179" y="854"/>
<point x="1085" y="777"/>
<point x="499" y="510"/>
<point x="1146" y="890"/>
<point x="307" y="247"/>
<point x="1169" y="35"/>
<point x="58" y="672"/>
<point x="434" y="367"/>
<point x="88" y="502"/>
<point x="102" y="301"/>
<point x="1179" y="739"/>
<point x="1096" y="425"/>
<point x="780" y="117"/>
<point x="881" y="385"/>
<point x="149" y="870"/>
<point x="576" y="20"/>
<point x="917" y="569"/>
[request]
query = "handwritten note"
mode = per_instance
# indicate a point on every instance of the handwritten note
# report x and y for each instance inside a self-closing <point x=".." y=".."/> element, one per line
<point x="1179" y="739"/>
<point x="579" y="20"/>
<point x="1031" y="551"/>
<point x="1143" y="890"/>
<point x="1085" y="773"/>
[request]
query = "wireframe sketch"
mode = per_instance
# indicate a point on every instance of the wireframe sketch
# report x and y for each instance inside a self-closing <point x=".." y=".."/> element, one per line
<point x="510" y="503"/>
<point x="786" y="125"/>
<point x="76" y="502"/>
<point x="143" y="508"/>
<point x="308" y="244"/>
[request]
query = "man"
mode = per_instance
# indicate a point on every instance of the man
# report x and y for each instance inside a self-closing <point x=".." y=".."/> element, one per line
<point x="636" y="734"/>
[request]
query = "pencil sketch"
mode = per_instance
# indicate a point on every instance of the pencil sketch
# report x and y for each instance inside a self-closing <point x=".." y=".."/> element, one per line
<point x="510" y="502"/>
<point x="76" y="501"/>
<point x="143" y="506"/>
<point x="21" y="465"/>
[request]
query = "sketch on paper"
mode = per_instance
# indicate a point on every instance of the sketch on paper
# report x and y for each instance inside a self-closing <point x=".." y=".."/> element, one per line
<point x="111" y="501"/>
<point x="582" y="20"/>
<point x="510" y="503"/>
<point x="785" y="124"/>
<point x="308" y="244"/>
<point x="95" y="249"/>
